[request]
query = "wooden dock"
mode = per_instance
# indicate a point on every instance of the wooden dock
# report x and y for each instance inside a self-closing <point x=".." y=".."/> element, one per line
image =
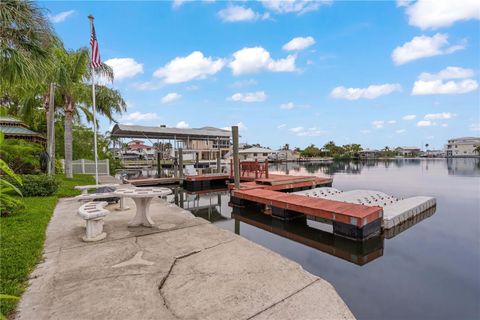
<point x="350" y="220"/>
<point x="144" y="182"/>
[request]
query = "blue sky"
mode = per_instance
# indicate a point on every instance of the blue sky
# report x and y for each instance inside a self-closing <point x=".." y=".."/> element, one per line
<point x="297" y="72"/>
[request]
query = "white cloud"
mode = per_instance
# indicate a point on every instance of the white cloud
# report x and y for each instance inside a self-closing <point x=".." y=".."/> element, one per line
<point x="148" y="85"/>
<point x="244" y="83"/>
<point x="294" y="6"/>
<point x="258" y="96"/>
<point x="423" y="47"/>
<point x="124" y="67"/>
<point x="439" y="116"/>
<point x="281" y="126"/>
<point x="447" y="73"/>
<point x="255" y="59"/>
<point x="475" y="127"/>
<point x="240" y="125"/>
<point x="400" y="131"/>
<point x="372" y="92"/>
<point x="170" y="97"/>
<point x="409" y="117"/>
<point x="444" y="125"/>
<point x="287" y="106"/>
<point x="182" y="125"/>
<point x="298" y="43"/>
<point x="425" y="123"/>
<point x="421" y="87"/>
<point x="139" y="116"/>
<point x="178" y="3"/>
<point x="429" y="83"/>
<point x="392" y="121"/>
<point x="193" y="66"/>
<point x="403" y="3"/>
<point x="378" y="124"/>
<point x="61" y="16"/>
<point x="365" y="131"/>
<point x="428" y="14"/>
<point x="239" y="13"/>
<point x="307" y="132"/>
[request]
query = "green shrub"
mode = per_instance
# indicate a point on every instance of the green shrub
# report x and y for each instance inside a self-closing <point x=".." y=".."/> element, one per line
<point x="38" y="185"/>
<point x="10" y="205"/>
<point x="22" y="156"/>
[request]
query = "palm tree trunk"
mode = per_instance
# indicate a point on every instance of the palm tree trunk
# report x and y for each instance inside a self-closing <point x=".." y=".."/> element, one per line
<point x="68" y="141"/>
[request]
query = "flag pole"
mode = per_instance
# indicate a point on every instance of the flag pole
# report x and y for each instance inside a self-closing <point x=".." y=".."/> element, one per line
<point x="90" y="17"/>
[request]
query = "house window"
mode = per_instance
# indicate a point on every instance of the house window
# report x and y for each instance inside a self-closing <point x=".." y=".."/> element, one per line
<point x="265" y="154"/>
<point x="254" y="154"/>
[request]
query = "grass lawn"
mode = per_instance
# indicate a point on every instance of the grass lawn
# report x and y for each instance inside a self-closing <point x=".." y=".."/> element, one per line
<point x="22" y="236"/>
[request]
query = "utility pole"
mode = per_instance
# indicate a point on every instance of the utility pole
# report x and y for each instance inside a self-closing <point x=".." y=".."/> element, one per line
<point x="51" y="130"/>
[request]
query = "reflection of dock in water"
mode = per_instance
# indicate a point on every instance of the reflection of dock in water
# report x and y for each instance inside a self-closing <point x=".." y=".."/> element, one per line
<point x="390" y="233"/>
<point x="357" y="252"/>
<point x="206" y="204"/>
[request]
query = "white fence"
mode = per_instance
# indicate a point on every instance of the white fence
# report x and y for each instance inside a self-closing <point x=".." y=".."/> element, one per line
<point x="88" y="166"/>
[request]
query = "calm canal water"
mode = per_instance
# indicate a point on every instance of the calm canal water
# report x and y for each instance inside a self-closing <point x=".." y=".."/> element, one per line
<point x="429" y="269"/>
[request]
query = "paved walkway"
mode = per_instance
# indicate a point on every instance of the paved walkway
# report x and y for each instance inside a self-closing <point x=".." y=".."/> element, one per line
<point x="184" y="268"/>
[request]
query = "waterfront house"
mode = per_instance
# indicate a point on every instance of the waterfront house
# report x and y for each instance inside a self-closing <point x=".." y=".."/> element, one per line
<point x="462" y="147"/>
<point x="368" y="154"/>
<point x="256" y="153"/>
<point x="408" y="151"/>
<point x="434" y="154"/>
<point x="15" y="129"/>
<point x="284" y="155"/>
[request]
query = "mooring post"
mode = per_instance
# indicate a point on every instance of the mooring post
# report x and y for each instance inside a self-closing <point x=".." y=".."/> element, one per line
<point x="180" y="163"/>
<point x="237" y="226"/>
<point x="175" y="165"/>
<point x="219" y="162"/>
<point x="236" y="164"/>
<point x="158" y="165"/>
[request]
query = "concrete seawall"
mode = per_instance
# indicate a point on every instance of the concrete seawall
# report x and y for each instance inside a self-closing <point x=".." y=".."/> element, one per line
<point x="183" y="268"/>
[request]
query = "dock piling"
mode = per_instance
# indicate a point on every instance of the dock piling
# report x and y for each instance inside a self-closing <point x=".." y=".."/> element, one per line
<point x="236" y="164"/>
<point x="180" y="163"/>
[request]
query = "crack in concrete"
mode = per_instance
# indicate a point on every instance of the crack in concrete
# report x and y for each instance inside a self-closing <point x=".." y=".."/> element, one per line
<point x="164" y="279"/>
<point x="280" y="301"/>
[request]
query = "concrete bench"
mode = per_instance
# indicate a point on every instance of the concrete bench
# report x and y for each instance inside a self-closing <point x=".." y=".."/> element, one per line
<point x="93" y="213"/>
<point x="105" y="195"/>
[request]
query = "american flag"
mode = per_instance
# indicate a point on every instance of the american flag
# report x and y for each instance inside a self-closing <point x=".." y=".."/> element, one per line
<point x="95" y="51"/>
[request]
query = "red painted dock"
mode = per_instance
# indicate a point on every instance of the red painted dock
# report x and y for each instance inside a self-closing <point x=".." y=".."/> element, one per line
<point x="348" y="213"/>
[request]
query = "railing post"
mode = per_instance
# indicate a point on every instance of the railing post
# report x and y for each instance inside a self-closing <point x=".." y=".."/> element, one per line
<point x="107" y="163"/>
<point x="82" y="162"/>
<point x="256" y="168"/>
<point x="219" y="162"/>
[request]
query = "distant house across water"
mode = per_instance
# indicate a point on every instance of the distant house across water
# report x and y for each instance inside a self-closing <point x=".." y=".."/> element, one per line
<point x="408" y="151"/>
<point x="462" y="147"/>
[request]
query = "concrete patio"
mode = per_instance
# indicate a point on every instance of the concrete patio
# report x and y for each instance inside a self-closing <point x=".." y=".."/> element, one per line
<point x="183" y="268"/>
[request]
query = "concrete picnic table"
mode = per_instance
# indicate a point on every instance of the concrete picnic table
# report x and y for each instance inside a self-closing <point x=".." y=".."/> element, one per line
<point x="84" y="189"/>
<point x="142" y="198"/>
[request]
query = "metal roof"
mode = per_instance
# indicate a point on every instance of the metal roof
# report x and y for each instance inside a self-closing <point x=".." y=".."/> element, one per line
<point x="256" y="150"/>
<point x="151" y="132"/>
<point x="9" y="130"/>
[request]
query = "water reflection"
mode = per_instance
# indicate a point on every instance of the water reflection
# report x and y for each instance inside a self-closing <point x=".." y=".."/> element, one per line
<point x="357" y="252"/>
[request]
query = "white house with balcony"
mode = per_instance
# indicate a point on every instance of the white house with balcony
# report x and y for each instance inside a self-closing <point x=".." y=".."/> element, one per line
<point x="256" y="153"/>
<point x="462" y="147"/>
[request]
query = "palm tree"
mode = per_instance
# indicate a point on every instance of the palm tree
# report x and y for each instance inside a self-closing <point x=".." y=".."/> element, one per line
<point x="77" y="96"/>
<point x="26" y="34"/>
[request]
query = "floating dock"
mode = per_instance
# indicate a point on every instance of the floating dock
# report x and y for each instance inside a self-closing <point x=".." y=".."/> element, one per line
<point x="286" y="183"/>
<point x="395" y="211"/>
<point x="144" y="182"/>
<point x="350" y="220"/>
